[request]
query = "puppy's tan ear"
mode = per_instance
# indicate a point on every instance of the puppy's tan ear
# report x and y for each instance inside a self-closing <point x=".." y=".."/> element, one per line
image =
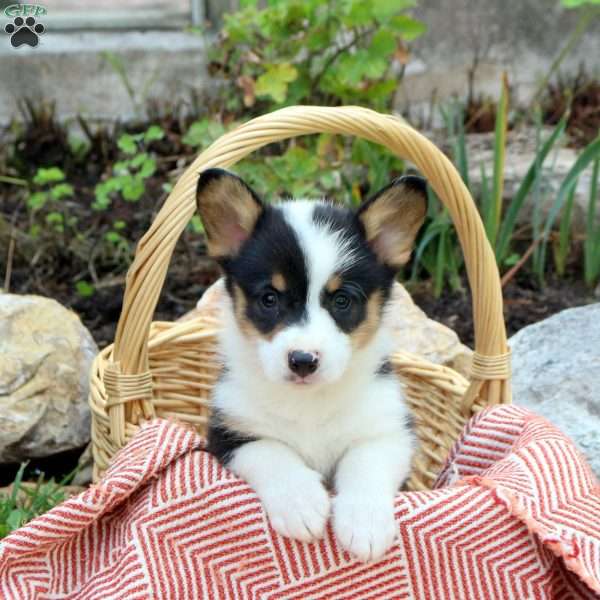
<point x="229" y="210"/>
<point x="392" y="218"/>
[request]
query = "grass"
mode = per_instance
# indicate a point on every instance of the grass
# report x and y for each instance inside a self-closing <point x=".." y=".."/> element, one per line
<point x="26" y="500"/>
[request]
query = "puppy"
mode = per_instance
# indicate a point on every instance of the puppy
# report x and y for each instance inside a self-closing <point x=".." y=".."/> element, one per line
<point x="307" y="394"/>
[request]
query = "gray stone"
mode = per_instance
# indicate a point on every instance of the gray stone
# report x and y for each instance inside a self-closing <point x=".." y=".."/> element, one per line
<point x="45" y="359"/>
<point x="490" y="38"/>
<point x="73" y="70"/>
<point x="556" y="365"/>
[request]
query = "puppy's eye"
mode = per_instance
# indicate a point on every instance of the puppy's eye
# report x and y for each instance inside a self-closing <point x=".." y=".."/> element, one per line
<point x="269" y="300"/>
<point x="342" y="301"/>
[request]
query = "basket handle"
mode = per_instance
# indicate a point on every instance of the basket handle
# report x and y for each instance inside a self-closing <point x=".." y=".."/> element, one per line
<point x="490" y="373"/>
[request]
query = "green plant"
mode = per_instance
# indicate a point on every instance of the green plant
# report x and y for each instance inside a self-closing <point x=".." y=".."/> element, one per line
<point x="438" y="250"/>
<point x="591" y="245"/>
<point x="129" y="175"/>
<point x="48" y="195"/>
<point x="26" y="501"/>
<point x="563" y="241"/>
<point x="310" y="51"/>
<point x="493" y="208"/>
<point x="590" y="154"/>
<point x="531" y="180"/>
<point x="202" y="133"/>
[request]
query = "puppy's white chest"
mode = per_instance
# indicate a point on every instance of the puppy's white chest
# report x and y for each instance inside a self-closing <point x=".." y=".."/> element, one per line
<point x="321" y="429"/>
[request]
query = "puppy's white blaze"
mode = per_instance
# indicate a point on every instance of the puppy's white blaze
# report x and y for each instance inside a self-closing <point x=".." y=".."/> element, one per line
<point x="326" y="253"/>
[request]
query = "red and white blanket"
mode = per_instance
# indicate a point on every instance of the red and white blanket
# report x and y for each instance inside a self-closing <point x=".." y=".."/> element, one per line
<point x="515" y="514"/>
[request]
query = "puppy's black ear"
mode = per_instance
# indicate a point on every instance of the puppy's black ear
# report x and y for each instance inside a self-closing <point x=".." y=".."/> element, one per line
<point x="229" y="210"/>
<point x="392" y="218"/>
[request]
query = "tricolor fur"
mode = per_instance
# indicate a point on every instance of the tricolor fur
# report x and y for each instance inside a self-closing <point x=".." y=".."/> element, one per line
<point x="307" y="399"/>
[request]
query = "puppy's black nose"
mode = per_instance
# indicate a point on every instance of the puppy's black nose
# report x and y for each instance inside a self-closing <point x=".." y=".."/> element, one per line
<point x="303" y="363"/>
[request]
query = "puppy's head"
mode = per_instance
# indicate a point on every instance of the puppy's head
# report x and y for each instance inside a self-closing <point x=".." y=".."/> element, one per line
<point x="308" y="280"/>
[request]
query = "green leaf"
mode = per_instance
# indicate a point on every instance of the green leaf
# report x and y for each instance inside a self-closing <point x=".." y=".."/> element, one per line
<point x="384" y="9"/>
<point x="113" y="237"/>
<point x="409" y="28"/>
<point x="51" y="175"/>
<point x="54" y="218"/>
<point x="358" y="12"/>
<point x="383" y="43"/>
<point x="154" y="132"/>
<point x="62" y="190"/>
<point x="492" y="224"/>
<point x="351" y="68"/>
<point x="37" y="200"/>
<point x="133" y="188"/>
<point x="119" y="225"/>
<point x="16" y="518"/>
<point x="274" y="82"/>
<point x="578" y="3"/>
<point x="57" y="220"/>
<point x="127" y="143"/>
<point x="512" y="213"/>
<point x="202" y="133"/>
<point x="104" y="189"/>
<point x="591" y="244"/>
<point x="196" y="224"/>
<point x="121" y="167"/>
<point x="137" y="160"/>
<point x="375" y="67"/>
<point x="512" y="260"/>
<point x="148" y="168"/>
<point x="589" y="154"/>
<point x="85" y="289"/>
<point x="196" y="135"/>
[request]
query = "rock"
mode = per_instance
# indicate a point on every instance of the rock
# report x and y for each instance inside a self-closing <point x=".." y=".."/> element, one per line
<point x="556" y="373"/>
<point x="413" y="330"/>
<point x="45" y="359"/>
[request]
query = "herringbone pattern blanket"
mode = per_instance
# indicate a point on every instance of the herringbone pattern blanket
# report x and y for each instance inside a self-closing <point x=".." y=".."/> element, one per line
<point x="515" y="514"/>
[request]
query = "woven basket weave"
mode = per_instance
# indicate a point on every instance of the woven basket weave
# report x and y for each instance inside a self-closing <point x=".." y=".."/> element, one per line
<point x="168" y="369"/>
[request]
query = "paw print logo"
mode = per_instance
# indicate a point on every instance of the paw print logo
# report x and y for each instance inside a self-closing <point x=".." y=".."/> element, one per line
<point x="24" y="31"/>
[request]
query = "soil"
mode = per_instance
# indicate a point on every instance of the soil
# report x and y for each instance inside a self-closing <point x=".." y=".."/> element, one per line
<point x="525" y="302"/>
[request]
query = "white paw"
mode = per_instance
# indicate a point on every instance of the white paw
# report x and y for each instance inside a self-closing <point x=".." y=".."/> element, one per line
<point x="364" y="525"/>
<point x="298" y="507"/>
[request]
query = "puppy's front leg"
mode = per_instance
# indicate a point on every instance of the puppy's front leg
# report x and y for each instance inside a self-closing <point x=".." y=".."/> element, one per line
<point x="293" y="495"/>
<point x="367" y="479"/>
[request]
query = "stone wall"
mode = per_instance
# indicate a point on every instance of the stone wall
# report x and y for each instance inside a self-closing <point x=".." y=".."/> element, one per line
<point x="520" y="37"/>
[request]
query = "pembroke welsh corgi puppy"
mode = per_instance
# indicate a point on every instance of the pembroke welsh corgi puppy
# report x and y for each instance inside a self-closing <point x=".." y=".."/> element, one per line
<point x="307" y="402"/>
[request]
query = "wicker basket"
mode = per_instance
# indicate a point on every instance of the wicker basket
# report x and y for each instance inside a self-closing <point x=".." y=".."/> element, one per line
<point x="167" y="369"/>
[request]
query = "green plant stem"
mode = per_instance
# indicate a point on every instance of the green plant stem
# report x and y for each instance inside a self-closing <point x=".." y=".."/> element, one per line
<point x="561" y="249"/>
<point x="13" y="180"/>
<point x="591" y="246"/>
<point x="499" y="159"/>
